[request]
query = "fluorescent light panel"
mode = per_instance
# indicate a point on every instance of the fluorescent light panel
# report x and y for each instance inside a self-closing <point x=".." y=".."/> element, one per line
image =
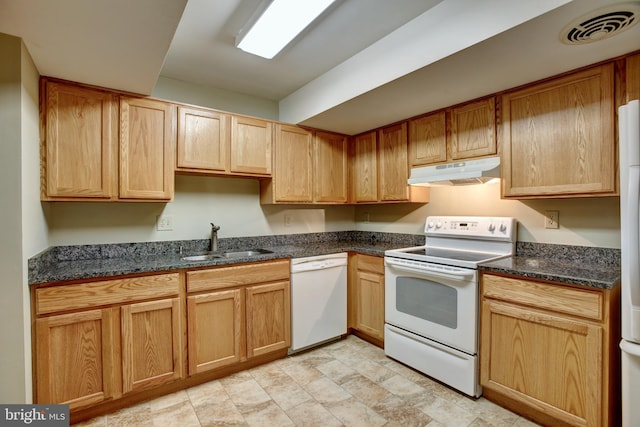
<point x="280" y="23"/>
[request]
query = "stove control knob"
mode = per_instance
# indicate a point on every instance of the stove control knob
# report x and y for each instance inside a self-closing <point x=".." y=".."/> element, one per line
<point x="438" y="225"/>
<point x="492" y="227"/>
<point x="430" y="224"/>
<point x="503" y="227"/>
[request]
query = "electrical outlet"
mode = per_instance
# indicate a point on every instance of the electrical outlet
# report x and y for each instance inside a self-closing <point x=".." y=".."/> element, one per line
<point x="551" y="219"/>
<point x="287" y="220"/>
<point x="367" y="217"/>
<point x="164" y="222"/>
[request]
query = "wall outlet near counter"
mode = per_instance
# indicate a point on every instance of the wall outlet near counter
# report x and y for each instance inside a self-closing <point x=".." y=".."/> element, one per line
<point x="551" y="219"/>
<point x="287" y="220"/>
<point x="164" y="223"/>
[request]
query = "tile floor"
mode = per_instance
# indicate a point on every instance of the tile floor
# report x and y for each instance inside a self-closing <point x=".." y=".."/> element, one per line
<point x="345" y="383"/>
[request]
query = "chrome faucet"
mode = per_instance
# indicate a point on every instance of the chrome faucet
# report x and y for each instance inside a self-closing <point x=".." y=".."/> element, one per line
<point x="214" y="237"/>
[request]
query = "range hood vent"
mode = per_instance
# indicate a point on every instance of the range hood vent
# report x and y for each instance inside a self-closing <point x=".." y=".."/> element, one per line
<point x="468" y="172"/>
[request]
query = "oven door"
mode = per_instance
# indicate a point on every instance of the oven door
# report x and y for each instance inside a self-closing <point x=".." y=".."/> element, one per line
<point x="434" y="301"/>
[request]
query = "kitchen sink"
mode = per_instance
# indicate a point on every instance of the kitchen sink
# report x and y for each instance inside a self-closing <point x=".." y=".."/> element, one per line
<point x="244" y="254"/>
<point x="229" y="254"/>
<point x="206" y="257"/>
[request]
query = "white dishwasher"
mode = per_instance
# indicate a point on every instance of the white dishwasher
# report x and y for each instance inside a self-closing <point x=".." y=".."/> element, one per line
<point x="318" y="299"/>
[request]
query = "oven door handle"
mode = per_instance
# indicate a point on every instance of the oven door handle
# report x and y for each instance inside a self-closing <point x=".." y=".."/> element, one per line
<point x="451" y="275"/>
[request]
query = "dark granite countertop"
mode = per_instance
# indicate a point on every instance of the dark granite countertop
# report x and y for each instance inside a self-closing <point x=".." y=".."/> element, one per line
<point x="575" y="265"/>
<point x="65" y="263"/>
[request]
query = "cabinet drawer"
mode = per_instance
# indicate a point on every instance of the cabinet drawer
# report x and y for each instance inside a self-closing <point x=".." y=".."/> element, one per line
<point x="237" y="275"/>
<point x="371" y="263"/>
<point x="84" y="295"/>
<point x="558" y="298"/>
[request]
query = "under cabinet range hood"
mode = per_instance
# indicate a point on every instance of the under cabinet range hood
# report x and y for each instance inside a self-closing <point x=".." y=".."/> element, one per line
<point x="466" y="172"/>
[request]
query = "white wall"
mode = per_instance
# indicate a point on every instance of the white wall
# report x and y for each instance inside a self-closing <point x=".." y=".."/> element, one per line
<point x="21" y="236"/>
<point x="219" y="99"/>
<point x="232" y="203"/>
<point x="583" y="222"/>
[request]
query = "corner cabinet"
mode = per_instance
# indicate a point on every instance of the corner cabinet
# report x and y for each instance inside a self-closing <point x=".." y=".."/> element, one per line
<point x="550" y="351"/>
<point x="237" y="313"/>
<point x="309" y="167"/>
<point x="558" y="137"/>
<point x="366" y="297"/>
<point x="98" y="145"/>
<point x="380" y="168"/>
<point x="97" y="341"/>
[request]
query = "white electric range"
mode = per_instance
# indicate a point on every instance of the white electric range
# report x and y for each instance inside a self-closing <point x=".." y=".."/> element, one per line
<point x="432" y="293"/>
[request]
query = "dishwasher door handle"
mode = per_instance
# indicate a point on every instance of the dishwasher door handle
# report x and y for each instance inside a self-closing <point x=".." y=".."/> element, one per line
<point x="317" y="265"/>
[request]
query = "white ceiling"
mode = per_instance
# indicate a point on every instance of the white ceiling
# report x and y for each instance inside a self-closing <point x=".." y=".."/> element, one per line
<point x="363" y="64"/>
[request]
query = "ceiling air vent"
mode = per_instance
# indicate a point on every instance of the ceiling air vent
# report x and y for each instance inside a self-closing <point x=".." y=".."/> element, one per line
<point x="601" y="24"/>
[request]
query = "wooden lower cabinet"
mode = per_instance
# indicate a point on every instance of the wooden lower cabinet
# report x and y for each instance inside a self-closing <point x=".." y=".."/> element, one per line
<point x="366" y="297"/>
<point x="91" y="347"/>
<point x="75" y="358"/>
<point x="237" y="313"/>
<point x="549" y="351"/>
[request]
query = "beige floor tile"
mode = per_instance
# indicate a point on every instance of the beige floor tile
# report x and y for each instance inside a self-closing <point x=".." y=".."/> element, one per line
<point x="374" y="371"/>
<point x="246" y="393"/>
<point x="181" y="414"/>
<point x="337" y="371"/>
<point x="139" y="415"/>
<point x="400" y="414"/>
<point x="448" y="413"/>
<point x="211" y="413"/>
<point x="93" y="422"/>
<point x="365" y="390"/>
<point x="168" y="400"/>
<point x="523" y="422"/>
<point x="324" y="391"/>
<point x="355" y="414"/>
<point x="267" y="415"/>
<point x="211" y="391"/>
<point x="312" y="414"/>
<point x="303" y="374"/>
<point x="400" y="386"/>
<point x="288" y="394"/>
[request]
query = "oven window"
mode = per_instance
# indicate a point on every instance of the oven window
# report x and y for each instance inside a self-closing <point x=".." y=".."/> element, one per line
<point x="427" y="300"/>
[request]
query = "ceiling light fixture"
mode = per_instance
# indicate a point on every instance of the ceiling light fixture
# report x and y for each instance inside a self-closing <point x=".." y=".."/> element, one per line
<point x="271" y="30"/>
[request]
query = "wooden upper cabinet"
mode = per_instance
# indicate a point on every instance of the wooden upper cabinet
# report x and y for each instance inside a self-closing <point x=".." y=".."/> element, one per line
<point x="147" y="141"/>
<point x="558" y="137"/>
<point x="79" y="142"/>
<point x="393" y="171"/>
<point x="330" y="171"/>
<point x="633" y="77"/>
<point x="428" y="139"/>
<point x="293" y="167"/>
<point x="251" y="142"/>
<point x="365" y="168"/>
<point x="473" y="129"/>
<point x="203" y="140"/>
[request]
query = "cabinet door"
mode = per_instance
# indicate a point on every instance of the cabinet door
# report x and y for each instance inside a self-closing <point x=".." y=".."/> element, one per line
<point x="293" y="168"/>
<point x="152" y="350"/>
<point x="473" y="130"/>
<point x="365" y="168"/>
<point x="75" y="358"/>
<point x="393" y="171"/>
<point x="251" y="146"/>
<point x="80" y="142"/>
<point x="427" y="139"/>
<point x="633" y="77"/>
<point x="203" y="140"/>
<point x="551" y="363"/>
<point x="214" y="330"/>
<point x="147" y="140"/>
<point x="330" y="168"/>
<point x="558" y="137"/>
<point x="268" y="317"/>
<point x="370" y="304"/>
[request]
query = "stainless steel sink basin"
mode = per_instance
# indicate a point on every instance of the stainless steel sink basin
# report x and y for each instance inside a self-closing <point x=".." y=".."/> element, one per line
<point x="244" y="254"/>
<point x="229" y="254"/>
<point x="206" y="257"/>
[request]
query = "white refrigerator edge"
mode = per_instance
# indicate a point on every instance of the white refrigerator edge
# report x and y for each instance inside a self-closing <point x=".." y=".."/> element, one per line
<point x="629" y="137"/>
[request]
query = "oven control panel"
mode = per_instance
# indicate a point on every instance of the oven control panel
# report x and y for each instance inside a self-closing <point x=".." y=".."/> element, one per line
<point x="498" y="228"/>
